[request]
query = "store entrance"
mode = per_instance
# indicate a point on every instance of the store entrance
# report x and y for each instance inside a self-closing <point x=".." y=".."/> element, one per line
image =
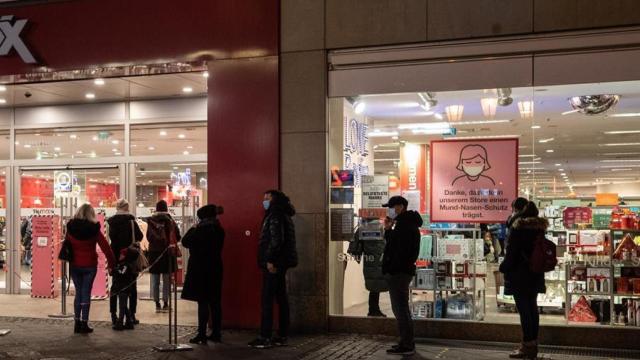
<point x="49" y="198"/>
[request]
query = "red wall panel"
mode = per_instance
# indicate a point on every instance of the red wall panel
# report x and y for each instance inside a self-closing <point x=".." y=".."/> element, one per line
<point x="244" y="158"/>
<point x="80" y="34"/>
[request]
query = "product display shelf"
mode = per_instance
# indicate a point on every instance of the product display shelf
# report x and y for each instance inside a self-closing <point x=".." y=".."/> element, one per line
<point x="439" y="295"/>
<point x="617" y="301"/>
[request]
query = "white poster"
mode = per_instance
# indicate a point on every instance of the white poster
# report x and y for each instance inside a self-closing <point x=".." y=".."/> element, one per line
<point x="375" y="191"/>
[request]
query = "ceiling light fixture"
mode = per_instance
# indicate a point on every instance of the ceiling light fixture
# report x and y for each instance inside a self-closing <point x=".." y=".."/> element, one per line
<point x="115" y="142"/>
<point x="619" y="160"/>
<point x="488" y="137"/>
<point x="73" y="136"/>
<point x="428" y="100"/>
<point x="90" y="96"/>
<point x="205" y="74"/>
<point x="151" y="148"/>
<point x="549" y="150"/>
<point x="535" y="127"/>
<point x="624" y="115"/>
<point x="625" y="169"/>
<point x="558" y="164"/>
<point x="526" y="109"/>
<point x="482" y="122"/>
<point x="454" y="112"/>
<point x="569" y="112"/>
<point x="3" y="88"/>
<point x="383" y="133"/>
<point x="357" y="104"/>
<point x="442" y="131"/>
<point x="489" y="106"/>
<point x="544" y="141"/>
<point x="163" y="133"/>
<point x="438" y="116"/>
<point x="182" y="136"/>
<point x="187" y="89"/>
<point x="27" y="146"/>
<point x="3" y="101"/>
<point x="620" y="144"/>
<point x="98" y="82"/>
<point x="621" y="132"/>
<point x="504" y="96"/>
<point x="594" y="104"/>
<point x="185" y="153"/>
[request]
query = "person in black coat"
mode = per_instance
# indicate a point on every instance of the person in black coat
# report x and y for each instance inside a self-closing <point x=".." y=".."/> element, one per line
<point x="203" y="282"/>
<point x="402" y="233"/>
<point x="276" y="254"/>
<point x="520" y="281"/>
<point x="123" y="230"/>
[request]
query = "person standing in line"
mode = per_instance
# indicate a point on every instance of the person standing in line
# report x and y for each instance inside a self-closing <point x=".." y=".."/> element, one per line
<point x="402" y="233"/>
<point x="520" y="281"/>
<point x="124" y="275"/>
<point x="276" y="254"/>
<point x="203" y="282"/>
<point x="370" y="252"/>
<point x="162" y="233"/>
<point x="123" y="232"/>
<point x="83" y="233"/>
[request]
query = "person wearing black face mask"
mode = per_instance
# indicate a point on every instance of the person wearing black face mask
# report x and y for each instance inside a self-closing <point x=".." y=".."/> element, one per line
<point x="402" y="233"/>
<point x="276" y="254"/>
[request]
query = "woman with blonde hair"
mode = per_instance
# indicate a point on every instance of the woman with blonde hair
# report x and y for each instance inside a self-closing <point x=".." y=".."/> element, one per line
<point x="83" y="233"/>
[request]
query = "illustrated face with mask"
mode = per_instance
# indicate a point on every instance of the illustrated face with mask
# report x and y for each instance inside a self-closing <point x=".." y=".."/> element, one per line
<point x="473" y="167"/>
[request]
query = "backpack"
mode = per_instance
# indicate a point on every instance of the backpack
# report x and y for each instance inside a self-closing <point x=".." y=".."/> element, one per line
<point x="157" y="234"/>
<point x="543" y="257"/>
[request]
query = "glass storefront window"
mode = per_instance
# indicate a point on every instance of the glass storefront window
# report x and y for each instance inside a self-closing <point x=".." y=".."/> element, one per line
<point x="69" y="143"/>
<point x="576" y="159"/>
<point x="5" y="144"/>
<point x="169" y="139"/>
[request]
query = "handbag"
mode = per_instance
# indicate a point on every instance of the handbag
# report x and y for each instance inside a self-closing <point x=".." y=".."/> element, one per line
<point x="141" y="260"/>
<point x="174" y="249"/>
<point x="66" y="251"/>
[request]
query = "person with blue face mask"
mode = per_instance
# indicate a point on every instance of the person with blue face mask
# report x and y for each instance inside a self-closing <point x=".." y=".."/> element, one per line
<point x="276" y="254"/>
<point x="402" y="234"/>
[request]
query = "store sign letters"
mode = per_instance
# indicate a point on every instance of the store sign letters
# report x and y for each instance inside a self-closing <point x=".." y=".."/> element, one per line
<point x="473" y="181"/>
<point x="10" y="31"/>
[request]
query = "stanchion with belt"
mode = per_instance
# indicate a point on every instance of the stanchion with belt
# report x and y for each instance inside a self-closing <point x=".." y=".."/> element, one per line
<point x="63" y="312"/>
<point x="173" y="345"/>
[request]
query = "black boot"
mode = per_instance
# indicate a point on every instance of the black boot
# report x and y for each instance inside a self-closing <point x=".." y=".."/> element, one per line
<point x="158" y="307"/>
<point x="114" y="319"/>
<point x="128" y="325"/>
<point x="118" y="326"/>
<point x="199" y="339"/>
<point x="85" y="329"/>
<point x="77" y="327"/>
<point x="134" y="321"/>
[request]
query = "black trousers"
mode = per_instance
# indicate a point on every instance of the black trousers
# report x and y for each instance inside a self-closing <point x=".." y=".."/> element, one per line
<point x="208" y="308"/>
<point x="274" y="288"/>
<point x="374" y="302"/>
<point x="132" y="298"/>
<point x="527" y="305"/>
<point x="399" y="294"/>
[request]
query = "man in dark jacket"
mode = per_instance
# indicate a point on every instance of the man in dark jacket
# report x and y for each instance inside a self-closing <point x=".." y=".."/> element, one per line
<point x="162" y="233"/>
<point x="402" y="232"/>
<point x="276" y="254"/>
<point x="203" y="282"/>
<point x="123" y="231"/>
<point x="520" y="281"/>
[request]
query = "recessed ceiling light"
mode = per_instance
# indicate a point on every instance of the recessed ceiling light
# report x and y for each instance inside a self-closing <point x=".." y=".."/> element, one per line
<point x="3" y="101"/>
<point x="3" y="88"/>
<point x="549" y="150"/>
<point x="189" y="147"/>
<point x="163" y="133"/>
<point x="114" y="150"/>
<point x="560" y="169"/>
<point x="185" y="153"/>
<point x="382" y="133"/>
<point x="175" y="168"/>
<point x="187" y="89"/>
<point x="90" y="95"/>
<point x="205" y="74"/>
<point x="536" y="126"/>
<point x="542" y="141"/>
<point x="98" y="82"/>
<point x="27" y="146"/>
<point x="394" y="138"/>
<point x="79" y="152"/>
<point x="115" y="142"/>
<point x="563" y="174"/>
<point x="621" y="132"/>
<point x="620" y="144"/>
<point x="182" y="136"/>
<point x="558" y="164"/>
<point x="73" y="136"/>
<point x="151" y="148"/>
<point x="619" y="160"/>
<point x="56" y="149"/>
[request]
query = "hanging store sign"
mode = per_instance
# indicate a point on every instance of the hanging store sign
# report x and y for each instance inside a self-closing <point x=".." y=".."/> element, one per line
<point x="413" y="176"/>
<point x="473" y="181"/>
<point x="10" y="39"/>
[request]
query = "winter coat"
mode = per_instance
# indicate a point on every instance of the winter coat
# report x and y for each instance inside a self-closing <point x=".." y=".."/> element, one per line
<point x="277" y="243"/>
<point x="26" y="234"/>
<point x="120" y="231"/>
<point x="159" y="257"/>
<point x="518" y="278"/>
<point x="370" y="252"/>
<point x="403" y="244"/>
<point x="204" y="272"/>
<point x="125" y="272"/>
<point x="84" y="235"/>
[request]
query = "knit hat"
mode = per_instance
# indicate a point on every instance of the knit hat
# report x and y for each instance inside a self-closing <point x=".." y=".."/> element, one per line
<point x="209" y="211"/>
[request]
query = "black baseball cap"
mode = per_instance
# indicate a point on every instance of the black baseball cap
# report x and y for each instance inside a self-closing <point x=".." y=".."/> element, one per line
<point x="396" y="200"/>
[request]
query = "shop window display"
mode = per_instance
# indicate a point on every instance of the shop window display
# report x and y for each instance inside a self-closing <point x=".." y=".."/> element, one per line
<point x="574" y="154"/>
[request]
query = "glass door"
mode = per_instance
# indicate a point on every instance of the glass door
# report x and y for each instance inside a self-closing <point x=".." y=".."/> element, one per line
<point x="49" y="198"/>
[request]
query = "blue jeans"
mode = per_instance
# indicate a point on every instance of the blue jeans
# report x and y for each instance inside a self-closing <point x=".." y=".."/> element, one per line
<point x="83" y="281"/>
<point x="166" y="286"/>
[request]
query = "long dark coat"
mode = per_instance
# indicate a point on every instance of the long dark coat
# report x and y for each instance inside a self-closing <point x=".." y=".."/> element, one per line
<point x="204" y="271"/>
<point x="518" y="278"/>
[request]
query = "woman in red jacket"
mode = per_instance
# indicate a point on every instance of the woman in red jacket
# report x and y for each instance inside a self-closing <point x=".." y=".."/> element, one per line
<point x="83" y="232"/>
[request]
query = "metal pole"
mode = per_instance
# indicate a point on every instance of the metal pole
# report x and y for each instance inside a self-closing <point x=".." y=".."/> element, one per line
<point x="173" y="345"/>
<point x="63" y="267"/>
<point x="175" y="307"/>
<point x="170" y="309"/>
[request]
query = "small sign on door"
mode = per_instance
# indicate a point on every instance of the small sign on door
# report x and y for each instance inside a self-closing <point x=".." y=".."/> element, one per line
<point x="42" y="241"/>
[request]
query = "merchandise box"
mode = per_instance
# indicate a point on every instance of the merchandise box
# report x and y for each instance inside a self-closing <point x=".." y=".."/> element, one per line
<point x="443" y="267"/>
<point x="579" y="273"/>
<point x="460" y="268"/>
<point x="444" y="282"/>
<point x="423" y="309"/>
<point x="574" y="286"/>
<point x="460" y="249"/>
<point x="425" y="279"/>
<point x="623" y="285"/>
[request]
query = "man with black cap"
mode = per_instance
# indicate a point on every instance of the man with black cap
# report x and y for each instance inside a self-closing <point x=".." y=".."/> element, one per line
<point x="402" y="233"/>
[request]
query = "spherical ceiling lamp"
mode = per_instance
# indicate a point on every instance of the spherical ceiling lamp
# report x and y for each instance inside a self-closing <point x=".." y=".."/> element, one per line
<point x="593" y="104"/>
<point x="504" y="96"/>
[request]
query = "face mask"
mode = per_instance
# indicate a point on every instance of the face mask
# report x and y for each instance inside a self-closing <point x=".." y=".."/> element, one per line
<point x="266" y="204"/>
<point x="473" y="170"/>
<point x="392" y="213"/>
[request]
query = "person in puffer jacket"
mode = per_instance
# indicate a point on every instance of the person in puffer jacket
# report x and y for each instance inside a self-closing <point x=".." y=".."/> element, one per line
<point x="276" y="254"/>
<point x="83" y="232"/>
<point x="402" y="232"/>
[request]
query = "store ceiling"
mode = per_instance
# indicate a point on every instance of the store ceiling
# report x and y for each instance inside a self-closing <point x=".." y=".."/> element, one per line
<point x="113" y="89"/>
<point x="578" y="142"/>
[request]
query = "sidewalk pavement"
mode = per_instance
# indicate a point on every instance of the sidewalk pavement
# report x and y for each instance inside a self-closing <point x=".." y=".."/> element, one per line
<point x="54" y="339"/>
